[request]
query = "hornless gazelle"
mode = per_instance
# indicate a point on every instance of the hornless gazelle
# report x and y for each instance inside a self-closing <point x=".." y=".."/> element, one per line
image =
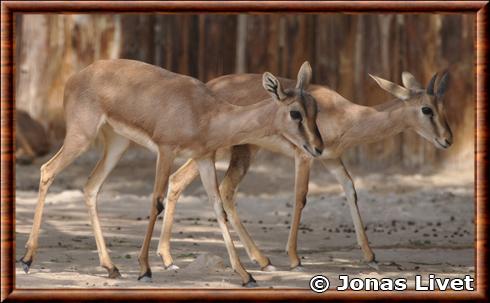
<point x="127" y="100"/>
<point x="342" y="125"/>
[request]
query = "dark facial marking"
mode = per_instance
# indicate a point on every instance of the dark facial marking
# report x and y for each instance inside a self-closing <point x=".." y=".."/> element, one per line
<point x="433" y="123"/>
<point x="309" y="105"/>
<point x="311" y="110"/>
<point x="448" y="128"/>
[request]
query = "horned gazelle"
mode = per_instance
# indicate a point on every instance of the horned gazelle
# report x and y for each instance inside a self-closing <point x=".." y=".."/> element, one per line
<point x="342" y="125"/>
<point x="127" y="100"/>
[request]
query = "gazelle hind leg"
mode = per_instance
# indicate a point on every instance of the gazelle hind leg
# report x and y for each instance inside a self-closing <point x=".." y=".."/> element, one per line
<point x="114" y="147"/>
<point x="80" y="132"/>
<point x="240" y="161"/>
<point x="163" y="168"/>
<point x="71" y="149"/>
<point x="207" y="171"/>
<point x="177" y="183"/>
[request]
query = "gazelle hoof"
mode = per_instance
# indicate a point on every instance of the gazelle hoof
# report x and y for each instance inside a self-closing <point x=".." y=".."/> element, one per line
<point x="299" y="268"/>
<point x="146" y="277"/>
<point x="251" y="283"/>
<point x="171" y="267"/>
<point x="269" y="268"/>
<point x="374" y="265"/>
<point x="26" y="265"/>
<point x="114" y="273"/>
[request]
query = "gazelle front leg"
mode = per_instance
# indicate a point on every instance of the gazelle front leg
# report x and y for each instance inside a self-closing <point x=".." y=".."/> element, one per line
<point x="241" y="156"/>
<point x="302" y="165"/>
<point x="210" y="183"/>
<point x="115" y="146"/>
<point x="164" y="165"/>
<point x="338" y="169"/>
<point x="177" y="183"/>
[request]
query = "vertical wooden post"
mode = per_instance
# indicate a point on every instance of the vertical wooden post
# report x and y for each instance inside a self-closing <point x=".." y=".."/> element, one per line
<point x="241" y="45"/>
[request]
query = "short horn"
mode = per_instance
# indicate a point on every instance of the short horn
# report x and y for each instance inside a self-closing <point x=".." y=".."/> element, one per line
<point x="430" y="86"/>
<point x="442" y="85"/>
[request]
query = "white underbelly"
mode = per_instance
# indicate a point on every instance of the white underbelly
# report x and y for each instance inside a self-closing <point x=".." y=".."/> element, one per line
<point x="133" y="134"/>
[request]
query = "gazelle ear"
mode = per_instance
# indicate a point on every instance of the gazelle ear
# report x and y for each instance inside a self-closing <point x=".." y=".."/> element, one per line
<point x="304" y="76"/>
<point x="409" y="81"/>
<point x="396" y="90"/>
<point x="273" y="86"/>
<point x="442" y="85"/>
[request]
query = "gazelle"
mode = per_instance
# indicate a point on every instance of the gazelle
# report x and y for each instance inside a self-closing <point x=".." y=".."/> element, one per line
<point x="342" y="125"/>
<point x="168" y="113"/>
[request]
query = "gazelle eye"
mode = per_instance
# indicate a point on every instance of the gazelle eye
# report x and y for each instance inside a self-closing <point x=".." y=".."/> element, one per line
<point x="296" y="115"/>
<point x="427" y="111"/>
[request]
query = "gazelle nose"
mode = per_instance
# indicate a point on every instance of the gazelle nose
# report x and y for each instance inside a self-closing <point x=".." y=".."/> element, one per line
<point x="448" y="142"/>
<point x="319" y="151"/>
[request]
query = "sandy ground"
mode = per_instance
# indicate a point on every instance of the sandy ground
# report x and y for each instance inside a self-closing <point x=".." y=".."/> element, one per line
<point x="416" y="224"/>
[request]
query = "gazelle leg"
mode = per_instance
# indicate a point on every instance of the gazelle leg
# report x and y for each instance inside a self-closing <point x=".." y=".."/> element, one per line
<point x="207" y="171"/>
<point x="343" y="177"/>
<point x="241" y="157"/>
<point x="71" y="149"/>
<point x="177" y="183"/>
<point x="302" y="175"/>
<point x="164" y="165"/>
<point x="115" y="146"/>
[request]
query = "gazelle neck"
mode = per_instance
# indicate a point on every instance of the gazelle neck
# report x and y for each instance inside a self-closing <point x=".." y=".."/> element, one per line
<point x="240" y="124"/>
<point x="370" y="124"/>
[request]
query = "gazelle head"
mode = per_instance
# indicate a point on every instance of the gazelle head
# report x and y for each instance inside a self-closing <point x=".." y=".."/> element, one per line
<point x="428" y="115"/>
<point x="297" y="111"/>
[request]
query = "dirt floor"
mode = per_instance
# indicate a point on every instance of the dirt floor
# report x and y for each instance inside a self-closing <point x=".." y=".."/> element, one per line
<point x="416" y="224"/>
